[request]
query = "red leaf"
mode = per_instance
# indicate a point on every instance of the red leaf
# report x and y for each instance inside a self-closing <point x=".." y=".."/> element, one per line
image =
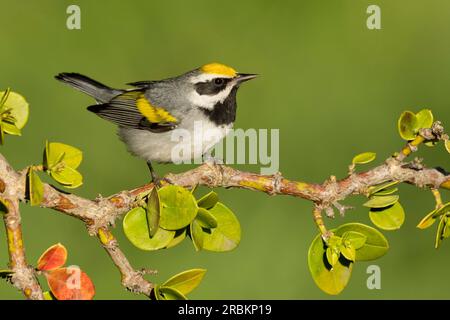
<point x="53" y="258"/>
<point x="70" y="284"/>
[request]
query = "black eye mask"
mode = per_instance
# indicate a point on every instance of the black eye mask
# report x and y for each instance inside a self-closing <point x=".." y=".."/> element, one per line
<point x="211" y="87"/>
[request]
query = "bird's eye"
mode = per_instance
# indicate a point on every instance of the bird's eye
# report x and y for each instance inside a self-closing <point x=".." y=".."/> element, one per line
<point x="218" y="82"/>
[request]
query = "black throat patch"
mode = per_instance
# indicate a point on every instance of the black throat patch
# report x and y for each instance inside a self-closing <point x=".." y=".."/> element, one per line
<point x="223" y="112"/>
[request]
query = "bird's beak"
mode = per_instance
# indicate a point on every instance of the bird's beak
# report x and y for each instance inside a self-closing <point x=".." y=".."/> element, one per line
<point x="242" y="77"/>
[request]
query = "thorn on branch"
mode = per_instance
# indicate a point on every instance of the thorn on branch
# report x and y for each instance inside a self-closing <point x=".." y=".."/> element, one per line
<point x="341" y="208"/>
<point x="329" y="212"/>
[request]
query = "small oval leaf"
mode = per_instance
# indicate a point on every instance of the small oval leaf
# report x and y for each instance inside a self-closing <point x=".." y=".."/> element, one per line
<point x="356" y="239"/>
<point x="18" y="108"/>
<point x="35" y="188"/>
<point x="197" y="235"/>
<point x="382" y="187"/>
<point x="227" y="235"/>
<point x="178" y="207"/>
<point x="375" y="246"/>
<point x="68" y="177"/>
<point x="208" y="200"/>
<point x="407" y="124"/>
<point x="153" y="212"/>
<point x="389" y="218"/>
<point x="53" y="258"/>
<point x="348" y="252"/>
<point x="186" y="281"/>
<point x="363" y="158"/>
<point x="70" y="284"/>
<point x="206" y="219"/>
<point x="440" y="232"/>
<point x="386" y="192"/>
<point x="48" y="295"/>
<point x="427" y="221"/>
<point x="442" y="210"/>
<point x="136" y="230"/>
<point x="180" y="235"/>
<point x="424" y="119"/>
<point x="57" y="152"/>
<point x="332" y="256"/>
<point x="170" y="293"/>
<point x="381" y="201"/>
<point x="330" y="279"/>
<point x="447" y="145"/>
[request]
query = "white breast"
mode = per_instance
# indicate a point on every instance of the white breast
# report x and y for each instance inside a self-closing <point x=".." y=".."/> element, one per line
<point x="195" y="137"/>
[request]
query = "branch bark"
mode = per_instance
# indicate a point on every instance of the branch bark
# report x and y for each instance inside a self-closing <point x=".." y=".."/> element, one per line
<point x="23" y="276"/>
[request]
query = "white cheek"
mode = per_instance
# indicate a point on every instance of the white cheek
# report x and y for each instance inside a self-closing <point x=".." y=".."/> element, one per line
<point x="207" y="101"/>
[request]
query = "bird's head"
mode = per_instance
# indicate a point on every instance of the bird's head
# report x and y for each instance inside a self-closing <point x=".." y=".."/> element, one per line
<point x="212" y="83"/>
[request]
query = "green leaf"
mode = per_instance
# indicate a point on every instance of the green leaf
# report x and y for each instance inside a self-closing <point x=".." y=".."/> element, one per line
<point x="153" y="212"/>
<point x="427" y="221"/>
<point x="170" y="293"/>
<point x="208" y="201"/>
<point x="48" y="295"/>
<point x="440" y="231"/>
<point x="35" y="188"/>
<point x="407" y="124"/>
<point x="5" y="95"/>
<point x="447" y="145"/>
<point x="59" y="152"/>
<point x="197" y="235"/>
<point x="356" y="239"/>
<point x="11" y="129"/>
<point x="136" y="229"/>
<point x="365" y="157"/>
<point x="442" y="210"/>
<point x="206" y="219"/>
<point x="332" y="256"/>
<point x="178" y="207"/>
<point x="68" y="177"/>
<point x="389" y="218"/>
<point x="348" y="252"/>
<point x="334" y="241"/>
<point x="186" y="281"/>
<point x="382" y="187"/>
<point x="17" y="107"/>
<point x="375" y="246"/>
<point x="381" y="201"/>
<point x="386" y="192"/>
<point x="424" y="119"/>
<point x="431" y="143"/>
<point x="227" y="235"/>
<point x="156" y="293"/>
<point x="180" y="235"/>
<point x="3" y="206"/>
<point x="330" y="279"/>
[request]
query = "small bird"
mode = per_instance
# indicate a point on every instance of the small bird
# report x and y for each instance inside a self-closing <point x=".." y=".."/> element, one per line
<point x="148" y="114"/>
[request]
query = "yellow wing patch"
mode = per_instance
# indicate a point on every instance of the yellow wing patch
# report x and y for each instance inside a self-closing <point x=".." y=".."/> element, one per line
<point x="218" y="68"/>
<point x="152" y="113"/>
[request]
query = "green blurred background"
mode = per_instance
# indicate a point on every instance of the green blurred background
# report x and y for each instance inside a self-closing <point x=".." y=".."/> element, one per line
<point x="332" y="87"/>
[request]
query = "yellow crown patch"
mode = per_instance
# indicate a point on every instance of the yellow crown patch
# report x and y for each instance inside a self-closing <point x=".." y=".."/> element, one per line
<point x="218" y="68"/>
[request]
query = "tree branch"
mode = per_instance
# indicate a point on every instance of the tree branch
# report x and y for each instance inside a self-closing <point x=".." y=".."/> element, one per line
<point x="101" y="213"/>
<point x="23" y="276"/>
<point x="131" y="279"/>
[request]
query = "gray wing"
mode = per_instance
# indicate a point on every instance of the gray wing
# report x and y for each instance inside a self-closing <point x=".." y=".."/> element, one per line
<point x="132" y="109"/>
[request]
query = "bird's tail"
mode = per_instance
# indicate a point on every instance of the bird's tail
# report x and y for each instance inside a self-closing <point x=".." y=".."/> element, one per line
<point x="95" y="89"/>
